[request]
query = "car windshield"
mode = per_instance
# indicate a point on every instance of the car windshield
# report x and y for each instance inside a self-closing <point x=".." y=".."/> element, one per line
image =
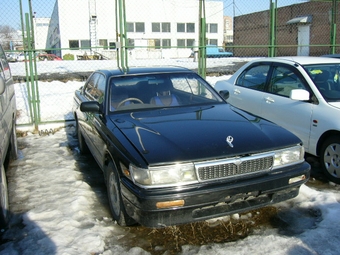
<point x="159" y="90"/>
<point x="326" y="79"/>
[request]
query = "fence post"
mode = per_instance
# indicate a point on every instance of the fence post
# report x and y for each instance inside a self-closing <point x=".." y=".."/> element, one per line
<point x="333" y="26"/>
<point x="202" y="40"/>
<point x="122" y="55"/>
<point x="272" y="32"/>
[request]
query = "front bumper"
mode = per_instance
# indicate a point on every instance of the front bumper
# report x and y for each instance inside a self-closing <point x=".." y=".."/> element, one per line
<point x="206" y="201"/>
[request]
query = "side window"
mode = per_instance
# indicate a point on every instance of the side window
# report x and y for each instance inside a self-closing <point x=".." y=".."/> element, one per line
<point x="283" y="81"/>
<point x="254" y="77"/>
<point x="91" y="90"/>
<point x="101" y="88"/>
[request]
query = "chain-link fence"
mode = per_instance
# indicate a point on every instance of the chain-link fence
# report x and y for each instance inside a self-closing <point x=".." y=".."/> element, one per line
<point x="99" y="34"/>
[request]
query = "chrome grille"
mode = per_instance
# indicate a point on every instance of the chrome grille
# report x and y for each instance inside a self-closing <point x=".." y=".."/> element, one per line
<point x="234" y="168"/>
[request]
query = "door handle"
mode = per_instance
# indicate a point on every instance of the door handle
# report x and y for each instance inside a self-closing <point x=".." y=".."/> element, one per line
<point x="237" y="92"/>
<point x="269" y="100"/>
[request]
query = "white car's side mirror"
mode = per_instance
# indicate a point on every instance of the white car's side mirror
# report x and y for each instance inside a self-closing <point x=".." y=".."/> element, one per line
<point x="299" y="94"/>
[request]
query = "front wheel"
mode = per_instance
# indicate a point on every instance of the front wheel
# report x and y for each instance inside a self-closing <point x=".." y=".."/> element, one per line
<point x="115" y="197"/>
<point x="330" y="158"/>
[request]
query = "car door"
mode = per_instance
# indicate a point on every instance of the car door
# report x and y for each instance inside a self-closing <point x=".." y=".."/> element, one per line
<point x="278" y="107"/>
<point x="249" y="87"/>
<point x="95" y="91"/>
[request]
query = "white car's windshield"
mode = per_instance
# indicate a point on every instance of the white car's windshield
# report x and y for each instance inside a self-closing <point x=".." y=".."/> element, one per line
<point x="326" y="78"/>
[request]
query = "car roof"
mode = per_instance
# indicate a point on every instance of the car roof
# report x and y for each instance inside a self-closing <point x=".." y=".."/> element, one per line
<point x="146" y="70"/>
<point x="301" y="60"/>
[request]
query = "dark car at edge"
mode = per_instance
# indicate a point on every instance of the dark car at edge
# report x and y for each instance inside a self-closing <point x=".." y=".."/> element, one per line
<point x="172" y="150"/>
<point x="8" y="139"/>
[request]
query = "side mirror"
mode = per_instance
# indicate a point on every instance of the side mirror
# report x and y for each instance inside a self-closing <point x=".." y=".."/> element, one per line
<point x="90" y="106"/>
<point x="2" y="85"/>
<point x="299" y="95"/>
<point x="225" y="94"/>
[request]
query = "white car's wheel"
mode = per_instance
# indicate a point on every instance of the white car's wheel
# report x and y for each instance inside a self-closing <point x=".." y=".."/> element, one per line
<point x="3" y="199"/>
<point x="330" y="158"/>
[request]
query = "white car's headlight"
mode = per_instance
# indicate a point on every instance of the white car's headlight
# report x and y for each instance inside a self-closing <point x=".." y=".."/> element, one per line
<point x="288" y="156"/>
<point x="167" y="175"/>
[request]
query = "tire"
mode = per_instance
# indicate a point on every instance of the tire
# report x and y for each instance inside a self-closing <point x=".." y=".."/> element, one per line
<point x="115" y="198"/>
<point x="330" y="158"/>
<point x="4" y="215"/>
<point x="14" y="143"/>
<point x="84" y="149"/>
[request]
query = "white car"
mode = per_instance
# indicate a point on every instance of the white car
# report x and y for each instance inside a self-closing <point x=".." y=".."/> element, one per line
<point x="301" y="94"/>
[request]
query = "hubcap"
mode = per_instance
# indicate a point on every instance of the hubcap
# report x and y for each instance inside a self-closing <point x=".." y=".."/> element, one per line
<point x="332" y="159"/>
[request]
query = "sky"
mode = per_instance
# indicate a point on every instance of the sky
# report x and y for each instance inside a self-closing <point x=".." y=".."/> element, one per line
<point x="10" y="12"/>
<point x="58" y="207"/>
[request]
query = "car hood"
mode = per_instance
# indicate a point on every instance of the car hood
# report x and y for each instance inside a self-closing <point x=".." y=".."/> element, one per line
<point x="198" y="133"/>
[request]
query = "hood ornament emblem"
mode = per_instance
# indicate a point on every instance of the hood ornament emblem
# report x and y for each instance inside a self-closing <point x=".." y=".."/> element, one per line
<point x="230" y="140"/>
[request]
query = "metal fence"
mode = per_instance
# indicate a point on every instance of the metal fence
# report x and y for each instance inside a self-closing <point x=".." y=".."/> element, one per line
<point x="99" y="34"/>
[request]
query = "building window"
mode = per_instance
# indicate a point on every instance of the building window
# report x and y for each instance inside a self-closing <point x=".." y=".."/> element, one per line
<point x="160" y="43"/>
<point x="190" y="42"/>
<point x="166" y="28"/>
<point x="185" y="43"/>
<point x="181" y="43"/>
<point x="180" y="27"/>
<point x="130" y="27"/>
<point x="212" y="28"/>
<point x="73" y="44"/>
<point x="190" y="27"/>
<point x="103" y="43"/>
<point x="85" y="43"/>
<point x="166" y="43"/>
<point x="212" y="42"/>
<point x="156" y="27"/>
<point x="157" y="43"/>
<point x="186" y="27"/>
<point x="137" y="27"/>
<point x="140" y="27"/>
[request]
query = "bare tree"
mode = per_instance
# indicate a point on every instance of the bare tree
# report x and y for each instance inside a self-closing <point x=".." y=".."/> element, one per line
<point x="7" y="34"/>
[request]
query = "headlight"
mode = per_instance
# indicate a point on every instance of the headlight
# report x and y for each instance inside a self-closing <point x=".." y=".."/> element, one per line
<point x="167" y="175"/>
<point x="289" y="156"/>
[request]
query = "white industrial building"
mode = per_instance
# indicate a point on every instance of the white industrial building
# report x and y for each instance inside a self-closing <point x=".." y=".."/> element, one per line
<point x="155" y="28"/>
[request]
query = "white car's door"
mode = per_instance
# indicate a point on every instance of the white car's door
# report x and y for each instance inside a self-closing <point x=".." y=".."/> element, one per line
<point x="248" y="90"/>
<point x="277" y="106"/>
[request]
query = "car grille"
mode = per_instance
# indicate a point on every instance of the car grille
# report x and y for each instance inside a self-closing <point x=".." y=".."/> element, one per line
<point x="234" y="168"/>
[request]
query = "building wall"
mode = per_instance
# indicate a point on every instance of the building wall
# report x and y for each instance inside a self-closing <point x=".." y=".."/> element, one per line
<point x="40" y="32"/>
<point x="73" y="24"/>
<point x="253" y="29"/>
